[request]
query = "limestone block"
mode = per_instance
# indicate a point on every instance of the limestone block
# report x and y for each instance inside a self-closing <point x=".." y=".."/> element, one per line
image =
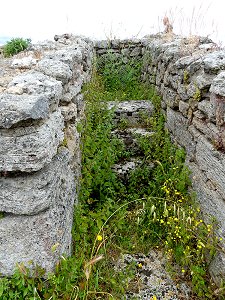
<point x="131" y="110"/>
<point x="214" y="62"/>
<point x="195" y="66"/>
<point x="36" y="83"/>
<point x="30" y="148"/>
<point x="175" y="82"/>
<point x="26" y="62"/>
<point x="125" y="52"/>
<point x="17" y="108"/>
<point x="56" y="69"/>
<point x="102" y="44"/>
<point x="172" y="53"/>
<point x="31" y="238"/>
<point x="178" y="125"/>
<point x="193" y="91"/>
<point x="115" y="43"/>
<point x="194" y="132"/>
<point x="184" y="62"/>
<point x="202" y="80"/>
<point x="73" y="91"/>
<point x="217" y="268"/>
<point x="211" y="63"/>
<point x="183" y="108"/>
<point x="212" y="162"/>
<point x="218" y="86"/>
<point x="182" y="91"/>
<point x="135" y="52"/>
<point x="79" y="101"/>
<point x="208" y="108"/>
<point x="72" y="137"/>
<point x="170" y="97"/>
<point x="218" y="109"/>
<point x="68" y="56"/>
<point x="211" y="202"/>
<point x="208" y="129"/>
<point x="29" y="194"/>
<point x="212" y="205"/>
<point x="14" y="90"/>
<point x="69" y="112"/>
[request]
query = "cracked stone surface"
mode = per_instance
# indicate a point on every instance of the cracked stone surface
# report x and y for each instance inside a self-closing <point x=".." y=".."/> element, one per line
<point x="152" y="279"/>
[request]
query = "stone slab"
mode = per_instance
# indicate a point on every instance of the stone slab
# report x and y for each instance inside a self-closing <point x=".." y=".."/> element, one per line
<point x="30" y="148"/>
<point x="212" y="162"/>
<point x="55" y="68"/>
<point x="29" y="194"/>
<point x="178" y="126"/>
<point x="17" y="108"/>
<point x="36" y="83"/>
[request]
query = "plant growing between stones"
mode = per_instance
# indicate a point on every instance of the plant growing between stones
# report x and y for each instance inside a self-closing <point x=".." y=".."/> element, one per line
<point x="15" y="46"/>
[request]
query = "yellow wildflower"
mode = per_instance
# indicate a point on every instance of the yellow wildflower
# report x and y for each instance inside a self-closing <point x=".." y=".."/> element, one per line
<point x="99" y="238"/>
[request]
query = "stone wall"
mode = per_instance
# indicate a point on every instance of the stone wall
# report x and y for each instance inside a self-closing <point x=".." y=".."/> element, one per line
<point x="189" y="74"/>
<point x="40" y="160"/>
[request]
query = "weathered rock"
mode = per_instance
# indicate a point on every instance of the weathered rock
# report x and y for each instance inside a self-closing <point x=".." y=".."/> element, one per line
<point x="208" y="129"/>
<point x="170" y="97"/>
<point x="41" y="239"/>
<point x="212" y="163"/>
<point x="17" y="108"/>
<point x="69" y="112"/>
<point x="202" y="80"/>
<point x="212" y="206"/>
<point x="178" y="125"/>
<point x="135" y="52"/>
<point x="154" y="280"/>
<point x="217" y="268"/>
<point x="183" y="108"/>
<point x="36" y="83"/>
<point x="217" y="86"/>
<point x="214" y="62"/>
<point x="68" y="56"/>
<point x="28" y="194"/>
<point x="218" y="109"/>
<point x="130" y="111"/>
<point x="73" y="91"/>
<point x="207" y="108"/>
<point x="55" y="68"/>
<point x="212" y="203"/>
<point x="102" y="44"/>
<point x="26" y="62"/>
<point x="14" y="90"/>
<point x="30" y="148"/>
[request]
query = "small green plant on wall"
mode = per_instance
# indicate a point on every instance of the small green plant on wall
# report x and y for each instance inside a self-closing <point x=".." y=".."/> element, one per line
<point x="197" y="95"/>
<point x="15" y="46"/>
<point x="186" y="76"/>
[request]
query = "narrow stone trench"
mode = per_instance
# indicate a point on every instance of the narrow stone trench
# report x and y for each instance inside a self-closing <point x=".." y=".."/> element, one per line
<point x="152" y="280"/>
<point x="38" y="202"/>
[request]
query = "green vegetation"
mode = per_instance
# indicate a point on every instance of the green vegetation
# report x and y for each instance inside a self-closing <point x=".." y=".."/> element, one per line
<point x="153" y="208"/>
<point x="186" y="76"/>
<point x="15" y="46"/>
<point x="197" y="96"/>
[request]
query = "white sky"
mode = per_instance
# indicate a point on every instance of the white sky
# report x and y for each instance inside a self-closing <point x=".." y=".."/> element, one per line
<point x="43" y="19"/>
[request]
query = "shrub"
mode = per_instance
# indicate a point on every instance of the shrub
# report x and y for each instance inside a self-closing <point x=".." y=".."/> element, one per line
<point x="15" y="46"/>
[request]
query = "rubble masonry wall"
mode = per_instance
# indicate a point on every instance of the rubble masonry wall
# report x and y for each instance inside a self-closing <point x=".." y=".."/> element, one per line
<point x="40" y="160"/>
